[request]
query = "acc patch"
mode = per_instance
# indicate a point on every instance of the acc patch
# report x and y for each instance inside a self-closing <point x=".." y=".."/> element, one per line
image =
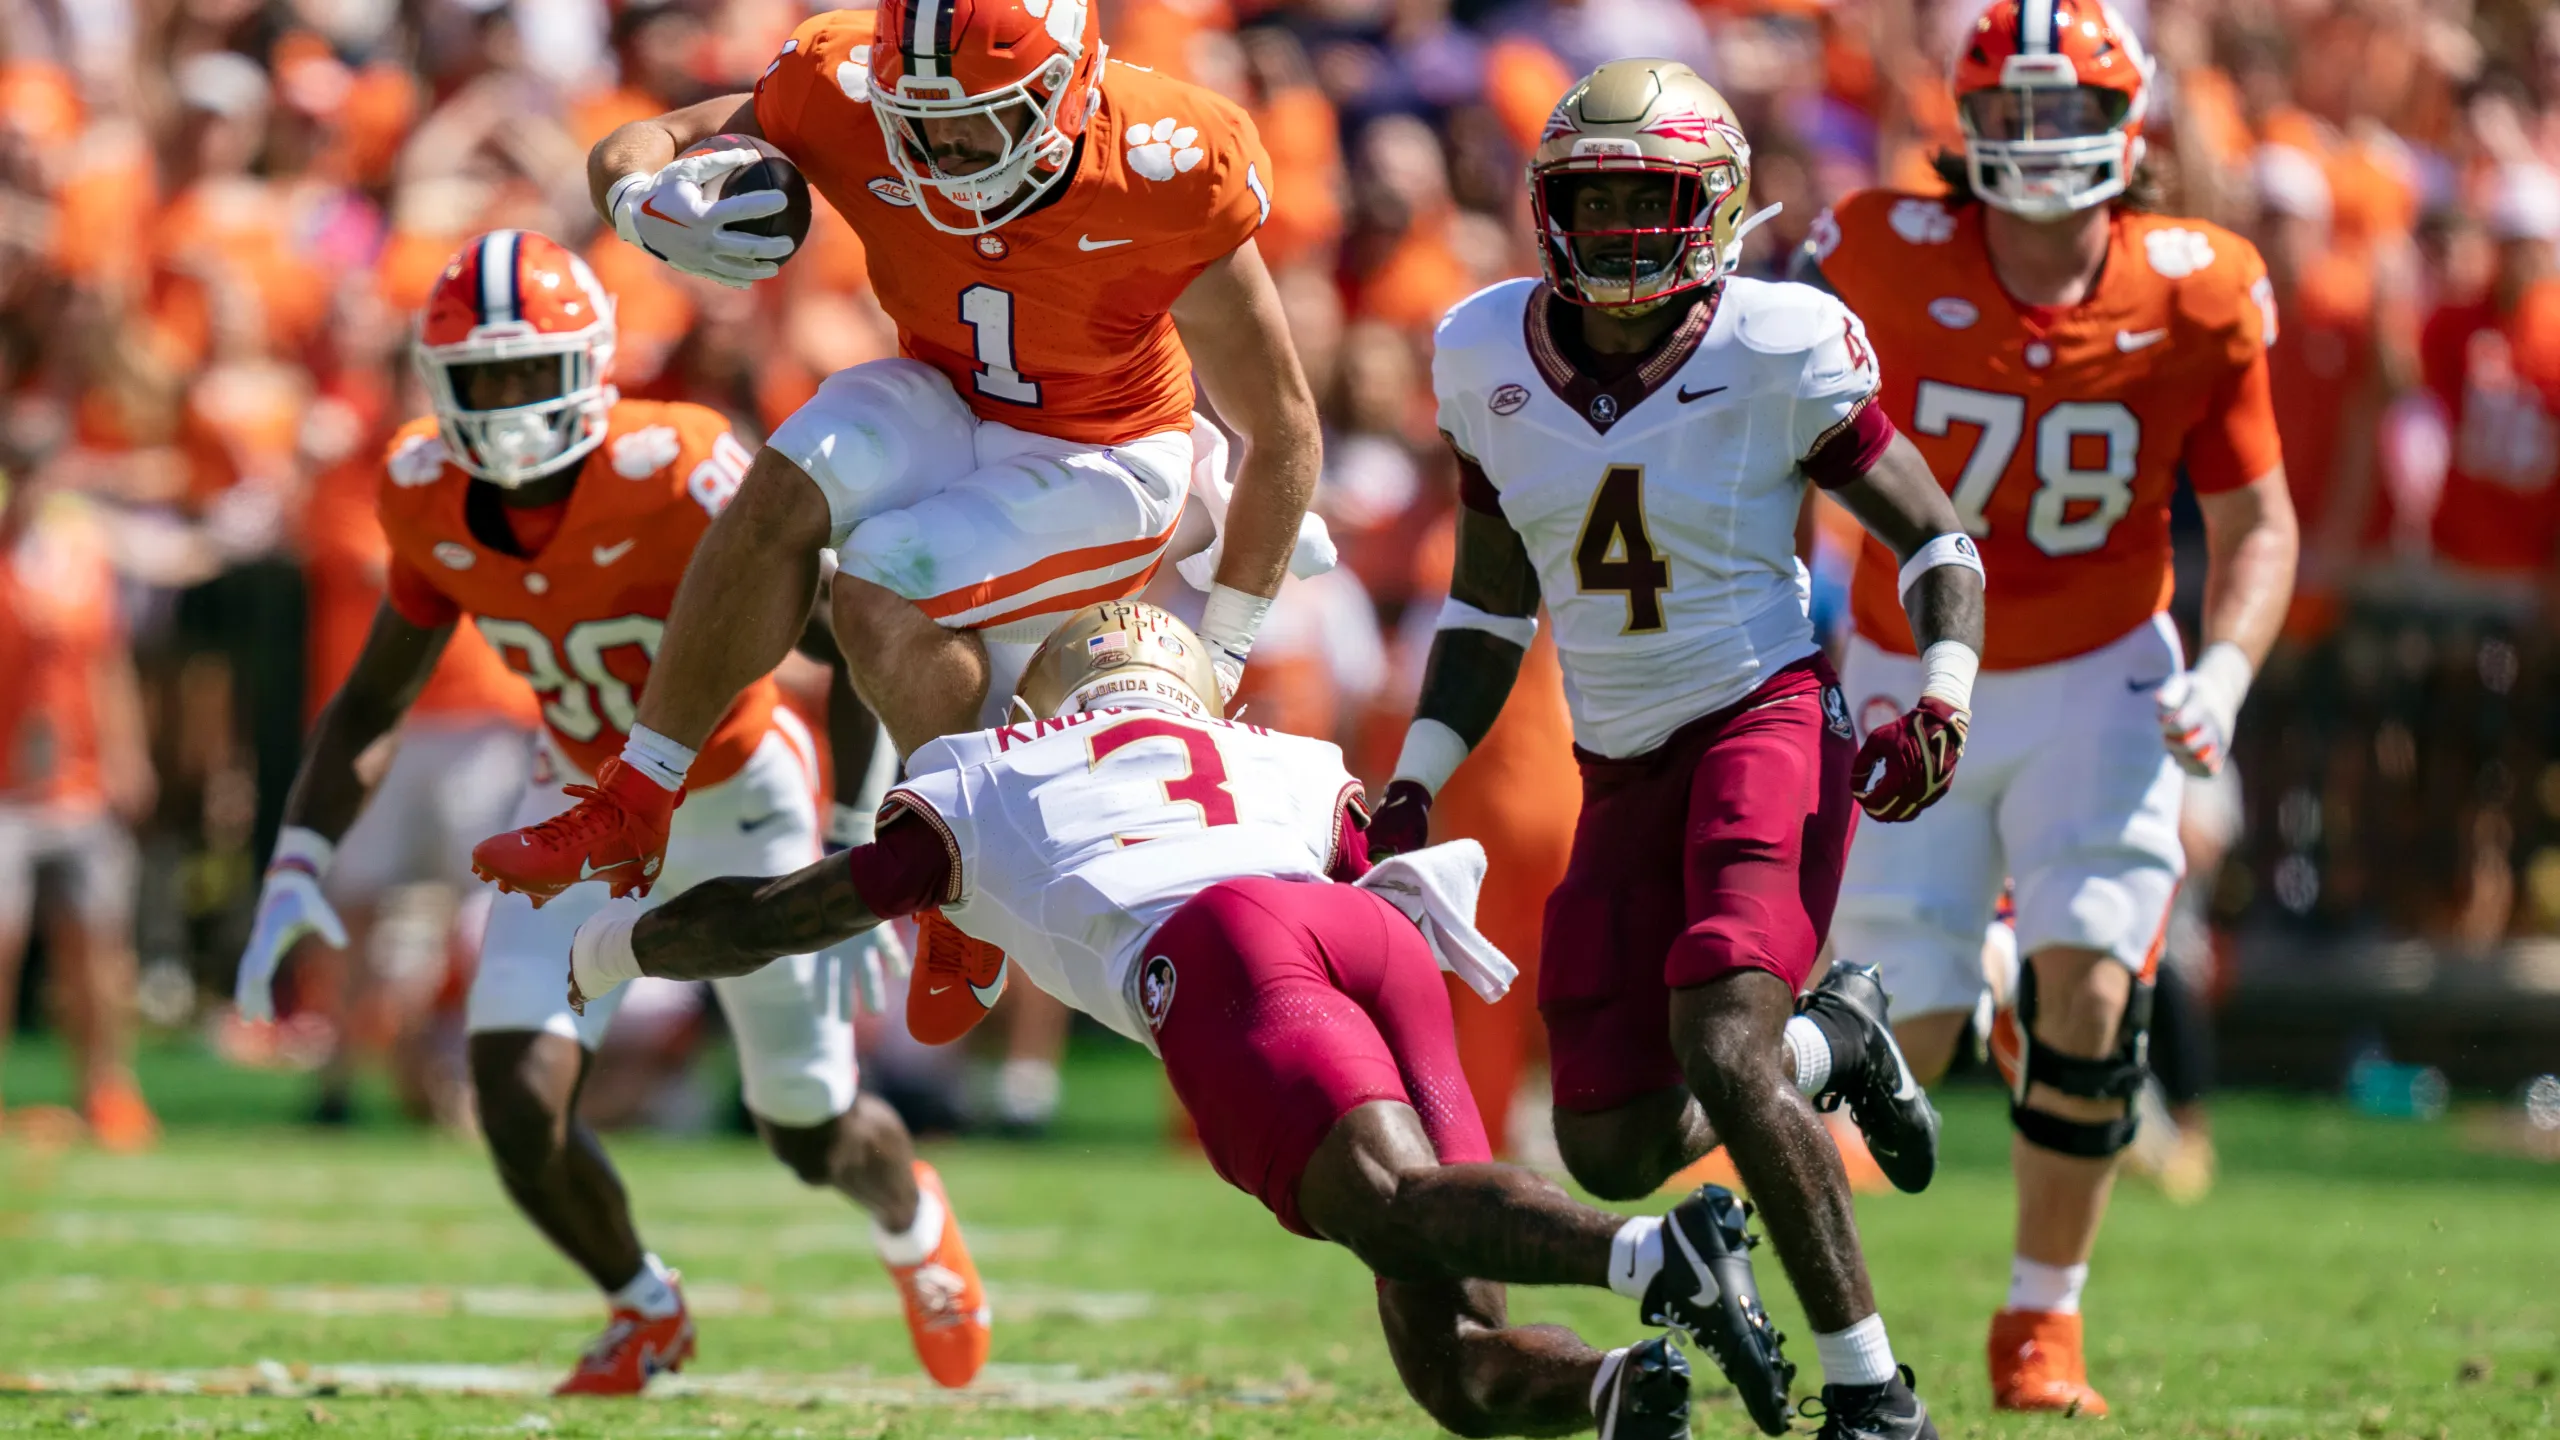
<point x="890" y="192"/>
<point x="1954" y="311"/>
<point x="1507" y="398"/>
<point x="1155" y="990"/>
<point x="454" y="556"/>
<point x="1835" y="711"/>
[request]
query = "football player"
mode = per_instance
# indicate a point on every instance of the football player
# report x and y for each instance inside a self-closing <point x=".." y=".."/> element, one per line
<point x="1171" y="873"/>
<point x="1635" y="435"/>
<point x="559" y="517"/>
<point x="2059" y="356"/>
<point x="1059" y="240"/>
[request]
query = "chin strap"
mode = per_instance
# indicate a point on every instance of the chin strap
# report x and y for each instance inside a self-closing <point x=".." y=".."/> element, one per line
<point x="1732" y="255"/>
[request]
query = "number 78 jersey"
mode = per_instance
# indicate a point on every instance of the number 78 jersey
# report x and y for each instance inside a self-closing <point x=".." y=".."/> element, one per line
<point x="2059" y="433"/>
<point x="1660" y="508"/>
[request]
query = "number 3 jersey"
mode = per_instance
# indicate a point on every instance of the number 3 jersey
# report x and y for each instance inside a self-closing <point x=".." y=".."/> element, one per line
<point x="2058" y="432"/>
<point x="1071" y="840"/>
<point x="1660" y="509"/>
<point x="574" y="597"/>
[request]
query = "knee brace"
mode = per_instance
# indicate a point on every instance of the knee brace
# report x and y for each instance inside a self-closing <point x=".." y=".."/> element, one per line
<point x="2117" y="1076"/>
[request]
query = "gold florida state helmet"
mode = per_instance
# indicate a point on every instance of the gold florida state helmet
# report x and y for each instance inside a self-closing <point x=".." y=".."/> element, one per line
<point x="1646" y="116"/>
<point x="1120" y="648"/>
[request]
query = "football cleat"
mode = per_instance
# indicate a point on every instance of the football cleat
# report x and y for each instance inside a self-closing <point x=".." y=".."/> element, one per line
<point x="1892" y="1111"/>
<point x="1643" y="1392"/>
<point x="1706" y="1292"/>
<point x="957" y="980"/>
<point x="617" y="833"/>
<point x="632" y="1348"/>
<point x="120" y="1120"/>
<point x="946" y="1306"/>
<point x="2036" y="1364"/>
<point x="1872" y="1412"/>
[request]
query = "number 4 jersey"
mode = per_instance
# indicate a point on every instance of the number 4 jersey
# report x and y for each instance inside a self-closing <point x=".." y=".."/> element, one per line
<point x="574" y="596"/>
<point x="2059" y="432"/>
<point x="1659" y="509"/>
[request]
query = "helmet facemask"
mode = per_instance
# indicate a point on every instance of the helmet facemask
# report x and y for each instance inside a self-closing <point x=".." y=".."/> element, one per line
<point x="1626" y="234"/>
<point x="938" y="150"/>
<point x="2042" y="145"/>
<point x="513" y="411"/>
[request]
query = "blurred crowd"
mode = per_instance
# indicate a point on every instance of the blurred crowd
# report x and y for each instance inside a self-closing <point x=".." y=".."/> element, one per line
<point x="216" y="217"/>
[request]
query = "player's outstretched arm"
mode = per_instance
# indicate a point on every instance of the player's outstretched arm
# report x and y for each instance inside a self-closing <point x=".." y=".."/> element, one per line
<point x="1484" y="632"/>
<point x="645" y="147"/>
<point x="2251" y="546"/>
<point x="664" y="204"/>
<point x="327" y="793"/>
<point x="1232" y="325"/>
<point x="738" y="924"/>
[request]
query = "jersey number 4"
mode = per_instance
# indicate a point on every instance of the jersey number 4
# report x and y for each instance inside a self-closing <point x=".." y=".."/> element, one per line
<point x="1615" y="556"/>
<point x="1203" y="781"/>
<point x="585" y="696"/>
<point x="2085" y="459"/>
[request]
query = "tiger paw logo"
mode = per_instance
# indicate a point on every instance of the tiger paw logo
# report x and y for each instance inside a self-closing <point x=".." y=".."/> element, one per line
<point x="645" y="452"/>
<point x="419" y="461"/>
<point x="1164" y="149"/>
<point x="1922" y="222"/>
<point x="2177" y="254"/>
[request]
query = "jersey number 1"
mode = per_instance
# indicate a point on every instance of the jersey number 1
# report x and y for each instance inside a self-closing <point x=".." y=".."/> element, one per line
<point x="1615" y="556"/>
<point x="988" y="312"/>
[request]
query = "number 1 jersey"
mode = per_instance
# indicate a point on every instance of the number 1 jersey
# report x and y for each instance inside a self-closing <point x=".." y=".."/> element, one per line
<point x="1659" y="509"/>
<point x="1072" y="839"/>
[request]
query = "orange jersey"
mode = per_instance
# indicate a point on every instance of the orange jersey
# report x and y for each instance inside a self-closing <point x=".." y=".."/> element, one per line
<point x="581" y="617"/>
<point x="2498" y="378"/>
<point x="1059" y="323"/>
<point x="2059" y="433"/>
<point x="58" y="620"/>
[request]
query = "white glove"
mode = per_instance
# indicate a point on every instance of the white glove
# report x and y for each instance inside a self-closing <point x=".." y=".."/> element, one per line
<point x="871" y="959"/>
<point x="668" y="215"/>
<point x="290" y="906"/>
<point x="2200" y="708"/>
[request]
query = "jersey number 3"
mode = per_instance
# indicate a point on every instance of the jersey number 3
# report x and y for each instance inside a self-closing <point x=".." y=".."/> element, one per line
<point x="2075" y="504"/>
<point x="1615" y="556"/>
<point x="1203" y="781"/>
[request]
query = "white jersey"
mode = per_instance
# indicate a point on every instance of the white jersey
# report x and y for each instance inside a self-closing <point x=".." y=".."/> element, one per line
<point x="1072" y="839"/>
<point x="1660" y="510"/>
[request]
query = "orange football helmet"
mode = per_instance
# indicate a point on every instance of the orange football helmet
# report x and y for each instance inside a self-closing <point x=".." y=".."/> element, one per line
<point x="509" y="297"/>
<point x="2050" y="94"/>
<point x="1032" y="68"/>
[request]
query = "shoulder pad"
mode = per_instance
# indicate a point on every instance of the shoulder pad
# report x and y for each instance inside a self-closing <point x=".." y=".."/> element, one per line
<point x="1781" y="317"/>
<point x="1492" y="313"/>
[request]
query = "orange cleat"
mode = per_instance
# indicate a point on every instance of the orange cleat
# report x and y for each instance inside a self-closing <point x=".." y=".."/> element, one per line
<point x="632" y="1348"/>
<point x="617" y="833"/>
<point x="2036" y="1364"/>
<point x="956" y="981"/>
<point x="946" y="1306"/>
<point x="120" y="1120"/>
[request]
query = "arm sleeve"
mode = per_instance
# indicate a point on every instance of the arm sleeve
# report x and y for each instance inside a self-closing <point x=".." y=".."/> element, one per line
<point x="2235" y="443"/>
<point x="1849" y="450"/>
<point x="417" y="599"/>
<point x="905" y="869"/>
<point x="1240" y="201"/>
<point x="783" y="92"/>
<point x="1838" y="380"/>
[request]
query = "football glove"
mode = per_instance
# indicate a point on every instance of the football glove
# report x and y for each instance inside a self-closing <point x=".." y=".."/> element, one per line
<point x="1906" y="765"/>
<point x="1403" y="822"/>
<point x="2200" y="708"/>
<point x="871" y="960"/>
<point x="290" y="906"/>
<point x="669" y="215"/>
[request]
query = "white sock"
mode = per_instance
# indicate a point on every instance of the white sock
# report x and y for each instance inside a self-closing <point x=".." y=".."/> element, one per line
<point x="1635" y="1256"/>
<point x="1812" y="1055"/>
<point x="1859" y="1355"/>
<point x="657" y="757"/>
<point x="652" y="1292"/>
<point x="2034" y="1285"/>
<point x="921" y="1238"/>
<point x="1609" y="1364"/>
<point x="1027" y="1092"/>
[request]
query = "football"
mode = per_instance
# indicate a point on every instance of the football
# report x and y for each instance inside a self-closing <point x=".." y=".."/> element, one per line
<point x="774" y="172"/>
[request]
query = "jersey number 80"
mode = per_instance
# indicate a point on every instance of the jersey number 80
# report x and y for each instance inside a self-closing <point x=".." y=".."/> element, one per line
<point x="586" y="696"/>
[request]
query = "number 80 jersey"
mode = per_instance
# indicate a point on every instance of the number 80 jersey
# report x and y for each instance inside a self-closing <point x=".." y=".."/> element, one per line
<point x="1659" y="509"/>
<point x="2059" y="433"/>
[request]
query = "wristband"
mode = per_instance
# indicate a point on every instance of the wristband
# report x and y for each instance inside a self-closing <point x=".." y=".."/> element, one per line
<point x="1955" y="550"/>
<point x="1947" y="669"/>
<point x="1457" y="614"/>
<point x="2221" y="676"/>
<point x="600" y="955"/>
<point x="301" y="848"/>
<point x="1432" y="753"/>
<point x="619" y="192"/>
<point x="1232" y="618"/>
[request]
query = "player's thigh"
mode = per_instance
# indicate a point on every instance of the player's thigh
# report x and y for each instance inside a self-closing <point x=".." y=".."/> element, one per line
<point x="17" y="877"/>
<point x="793" y="1022"/>
<point x="1915" y="897"/>
<point x="2090" y="824"/>
<point x="1381" y="961"/>
<point x="761" y="821"/>
<point x="479" y="771"/>
<point x="1610" y="924"/>
<point x="1029" y="535"/>
<point x="99" y="866"/>
<point x="878" y="437"/>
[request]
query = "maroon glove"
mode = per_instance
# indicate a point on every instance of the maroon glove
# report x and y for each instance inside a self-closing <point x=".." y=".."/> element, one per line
<point x="1403" y="822"/>
<point x="1905" y="766"/>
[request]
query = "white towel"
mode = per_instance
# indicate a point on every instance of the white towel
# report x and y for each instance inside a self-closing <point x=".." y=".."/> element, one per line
<point x="1315" y="553"/>
<point x="1436" y="888"/>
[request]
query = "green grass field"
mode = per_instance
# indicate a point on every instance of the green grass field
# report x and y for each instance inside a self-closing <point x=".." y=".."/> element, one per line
<point x="2349" y="1277"/>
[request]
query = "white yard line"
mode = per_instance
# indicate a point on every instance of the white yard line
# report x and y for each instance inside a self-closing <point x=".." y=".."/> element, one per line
<point x="242" y="1230"/>
<point x="708" y="1299"/>
<point x="1024" y="1385"/>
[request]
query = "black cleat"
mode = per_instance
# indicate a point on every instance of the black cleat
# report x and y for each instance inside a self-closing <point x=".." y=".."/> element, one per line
<point x="1873" y="1412"/>
<point x="1646" y="1395"/>
<point x="1706" y="1292"/>
<point x="1892" y="1111"/>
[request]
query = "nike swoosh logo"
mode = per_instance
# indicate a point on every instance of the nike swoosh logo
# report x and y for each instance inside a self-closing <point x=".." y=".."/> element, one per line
<point x="1687" y="395"/>
<point x="1087" y="242"/>
<point x="607" y="554"/>
<point x="2139" y="686"/>
<point x="649" y="207"/>
<point x="749" y="827"/>
<point x="2128" y="341"/>
<point x="988" y="995"/>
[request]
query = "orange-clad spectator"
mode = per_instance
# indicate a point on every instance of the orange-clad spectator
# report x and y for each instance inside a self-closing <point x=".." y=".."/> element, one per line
<point x="1161" y="35"/>
<point x="224" y="258"/>
<point x="1268" y="71"/>
<point x="75" y="774"/>
<point x="1414" y="272"/>
<point x="1523" y="80"/>
<point x="658" y="49"/>
<point x="2494" y="365"/>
